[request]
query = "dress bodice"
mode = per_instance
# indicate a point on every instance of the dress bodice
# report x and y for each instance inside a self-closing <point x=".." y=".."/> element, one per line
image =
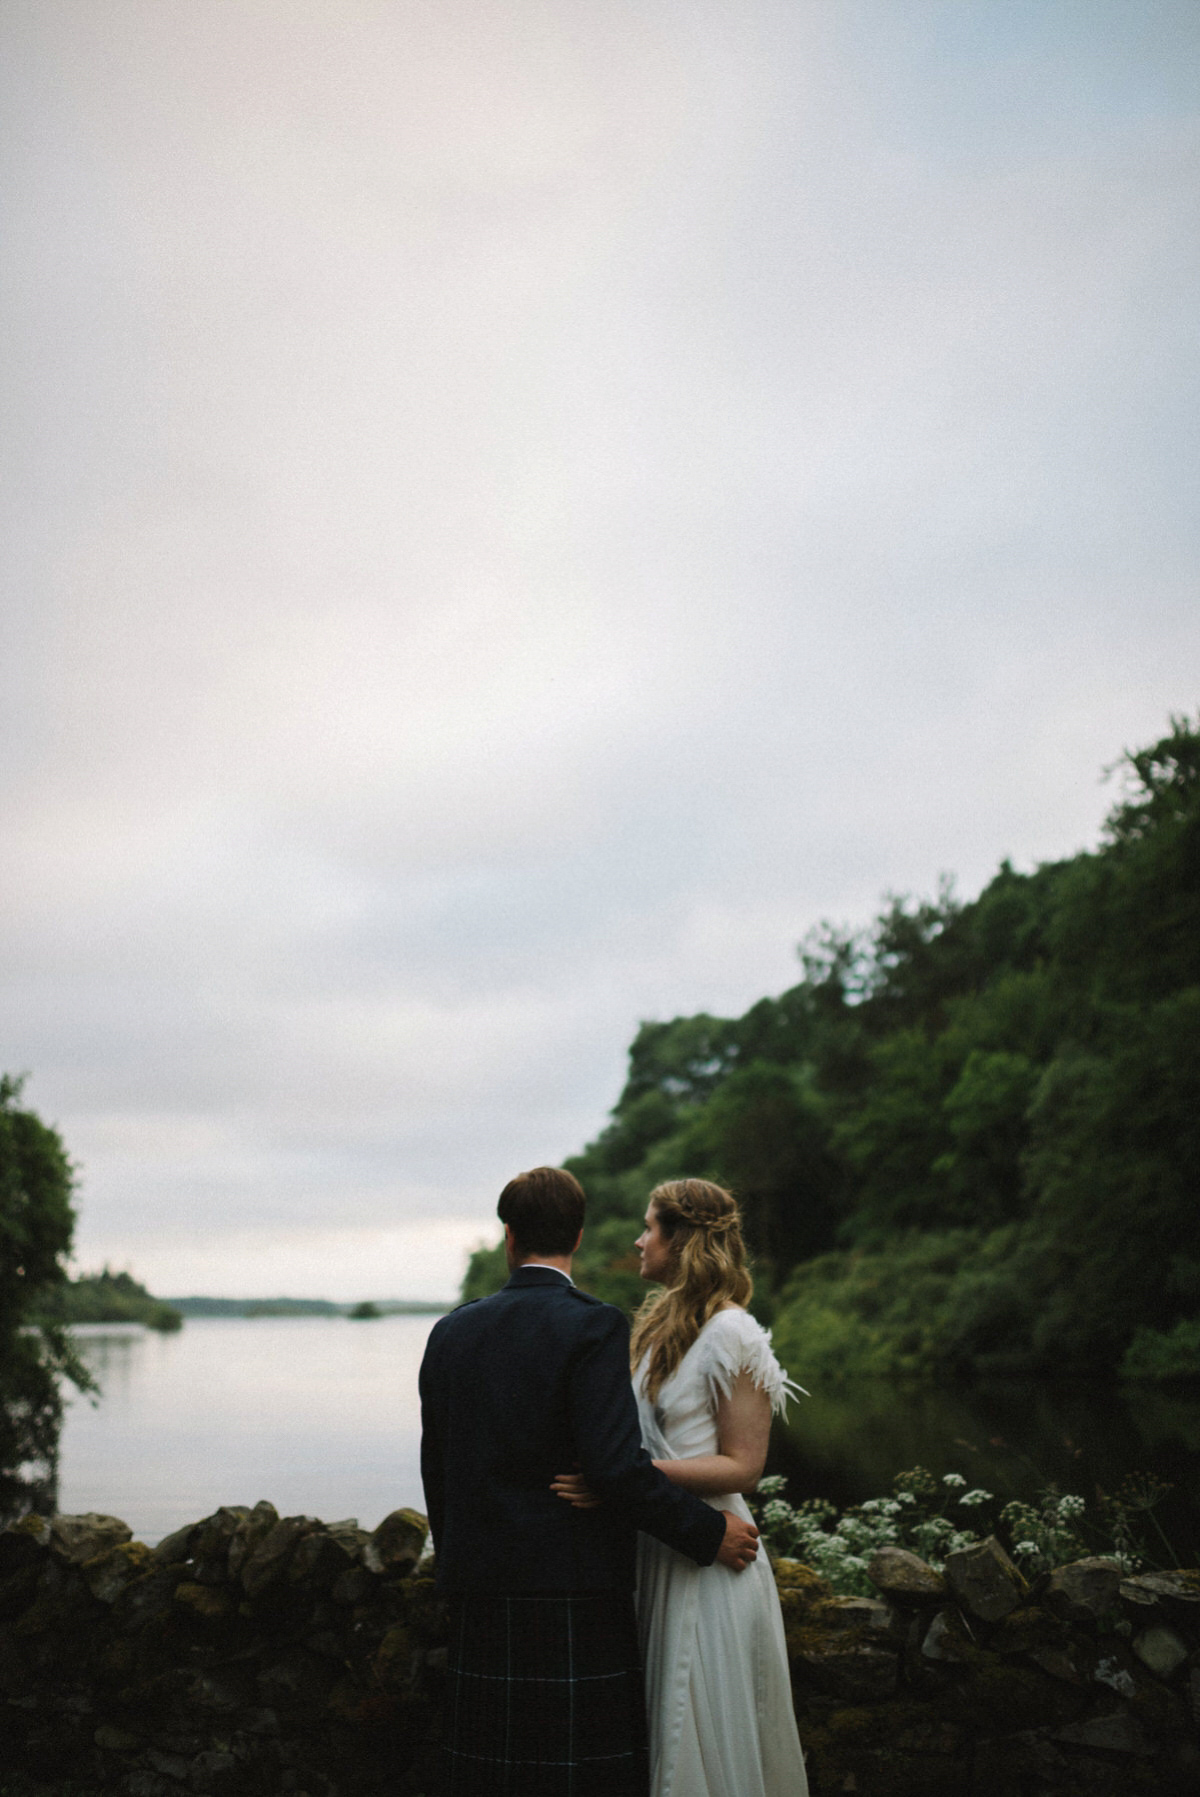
<point x="684" y="1416"/>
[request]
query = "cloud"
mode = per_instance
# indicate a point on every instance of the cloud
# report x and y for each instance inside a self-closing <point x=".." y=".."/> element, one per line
<point x="518" y="513"/>
<point x="408" y="1260"/>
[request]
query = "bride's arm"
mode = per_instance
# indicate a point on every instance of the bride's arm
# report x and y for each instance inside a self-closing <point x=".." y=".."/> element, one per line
<point x="743" y="1430"/>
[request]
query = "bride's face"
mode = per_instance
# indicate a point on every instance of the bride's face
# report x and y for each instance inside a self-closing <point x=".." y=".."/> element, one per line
<point x="654" y="1248"/>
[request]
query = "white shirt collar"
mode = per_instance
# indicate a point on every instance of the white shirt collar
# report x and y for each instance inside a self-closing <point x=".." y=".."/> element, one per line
<point x="546" y="1269"/>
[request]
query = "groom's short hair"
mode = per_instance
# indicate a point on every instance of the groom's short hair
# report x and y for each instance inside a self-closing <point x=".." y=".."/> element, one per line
<point x="544" y="1209"/>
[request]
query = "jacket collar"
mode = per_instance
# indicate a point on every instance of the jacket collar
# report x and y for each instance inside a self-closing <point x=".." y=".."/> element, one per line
<point x="522" y="1276"/>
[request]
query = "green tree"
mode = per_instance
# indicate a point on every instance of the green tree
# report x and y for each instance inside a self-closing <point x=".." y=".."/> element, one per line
<point x="106" y="1297"/>
<point x="895" y="1132"/>
<point x="986" y="1113"/>
<point x="683" y="1061"/>
<point x="487" y="1270"/>
<point x="37" y="1221"/>
<point x="765" y="1134"/>
<point x="1114" y="1168"/>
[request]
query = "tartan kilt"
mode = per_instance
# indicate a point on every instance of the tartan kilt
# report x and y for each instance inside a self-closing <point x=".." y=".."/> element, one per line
<point x="544" y="1697"/>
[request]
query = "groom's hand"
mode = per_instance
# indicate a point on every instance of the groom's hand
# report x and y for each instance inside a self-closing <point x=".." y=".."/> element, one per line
<point x="740" y="1545"/>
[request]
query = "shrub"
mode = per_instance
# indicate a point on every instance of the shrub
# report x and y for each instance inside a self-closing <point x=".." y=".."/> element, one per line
<point x="1164" y="1354"/>
<point x="936" y="1517"/>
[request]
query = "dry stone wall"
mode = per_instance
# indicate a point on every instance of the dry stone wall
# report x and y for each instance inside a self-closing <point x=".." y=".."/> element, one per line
<point x="978" y="1684"/>
<point x="251" y="1655"/>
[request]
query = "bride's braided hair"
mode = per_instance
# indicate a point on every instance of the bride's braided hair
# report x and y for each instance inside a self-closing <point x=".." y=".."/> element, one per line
<point x="708" y="1271"/>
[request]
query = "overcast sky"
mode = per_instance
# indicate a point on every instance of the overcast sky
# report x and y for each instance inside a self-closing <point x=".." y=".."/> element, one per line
<point x="516" y="509"/>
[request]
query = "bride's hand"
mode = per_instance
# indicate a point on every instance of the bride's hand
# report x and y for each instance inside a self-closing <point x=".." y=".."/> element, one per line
<point x="574" y="1488"/>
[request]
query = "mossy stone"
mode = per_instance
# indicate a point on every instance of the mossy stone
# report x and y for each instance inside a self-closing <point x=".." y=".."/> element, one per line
<point x="1084" y="1590"/>
<point x="1027" y="1627"/>
<point x="109" y="1572"/>
<point x="80" y="1538"/>
<point x="206" y="1601"/>
<point x="984" y="1580"/>
<point x="397" y="1544"/>
<point x="905" y="1577"/>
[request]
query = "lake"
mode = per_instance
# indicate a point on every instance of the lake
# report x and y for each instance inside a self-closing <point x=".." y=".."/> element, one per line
<point x="320" y="1415"/>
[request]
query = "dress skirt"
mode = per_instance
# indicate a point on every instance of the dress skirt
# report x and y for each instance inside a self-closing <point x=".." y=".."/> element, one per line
<point x="718" y="1693"/>
<point x="544" y="1698"/>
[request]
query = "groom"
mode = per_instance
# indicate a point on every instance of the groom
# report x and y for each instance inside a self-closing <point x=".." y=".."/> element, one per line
<point x="544" y="1692"/>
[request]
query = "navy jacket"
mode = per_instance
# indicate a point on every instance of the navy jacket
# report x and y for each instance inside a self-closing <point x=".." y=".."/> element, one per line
<point x="514" y="1389"/>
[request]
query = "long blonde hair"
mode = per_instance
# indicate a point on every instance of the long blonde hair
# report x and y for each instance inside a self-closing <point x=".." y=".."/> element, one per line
<point x="707" y="1271"/>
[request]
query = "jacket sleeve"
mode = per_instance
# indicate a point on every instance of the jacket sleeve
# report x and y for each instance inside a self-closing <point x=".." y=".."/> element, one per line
<point x="609" y="1443"/>
<point x="432" y="1464"/>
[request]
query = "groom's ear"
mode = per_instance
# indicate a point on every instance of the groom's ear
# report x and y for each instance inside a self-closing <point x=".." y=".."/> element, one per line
<point x="578" y="1239"/>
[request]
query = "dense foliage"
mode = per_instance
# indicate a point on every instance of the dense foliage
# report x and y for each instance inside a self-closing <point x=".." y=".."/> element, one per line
<point x="108" y="1297"/>
<point x="37" y="1220"/>
<point x="969" y="1139"/>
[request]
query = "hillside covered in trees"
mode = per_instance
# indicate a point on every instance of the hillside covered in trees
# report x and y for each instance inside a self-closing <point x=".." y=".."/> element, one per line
<point x="968" y="1141"/>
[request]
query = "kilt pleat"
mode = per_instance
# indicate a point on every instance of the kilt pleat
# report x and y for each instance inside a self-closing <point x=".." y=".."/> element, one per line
<point x="544" y="1697"/>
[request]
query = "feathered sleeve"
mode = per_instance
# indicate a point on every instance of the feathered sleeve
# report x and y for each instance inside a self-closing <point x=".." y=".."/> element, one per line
<point x="733" y="1343"/>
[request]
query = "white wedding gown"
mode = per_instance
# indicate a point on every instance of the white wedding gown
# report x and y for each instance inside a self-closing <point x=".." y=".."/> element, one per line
<point x="718" y="1696"/>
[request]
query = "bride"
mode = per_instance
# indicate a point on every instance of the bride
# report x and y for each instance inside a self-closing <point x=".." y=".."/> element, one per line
<point x="718" y="1696"/>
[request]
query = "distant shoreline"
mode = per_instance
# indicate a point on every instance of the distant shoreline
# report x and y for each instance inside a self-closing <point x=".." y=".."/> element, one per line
<point x="302" y="1307"/>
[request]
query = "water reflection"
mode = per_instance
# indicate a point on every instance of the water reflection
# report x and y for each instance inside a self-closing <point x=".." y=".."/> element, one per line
<point x="318" y="1414"/>
<point x="321" y="1416"/>
<point x="1012" y="1437"/>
